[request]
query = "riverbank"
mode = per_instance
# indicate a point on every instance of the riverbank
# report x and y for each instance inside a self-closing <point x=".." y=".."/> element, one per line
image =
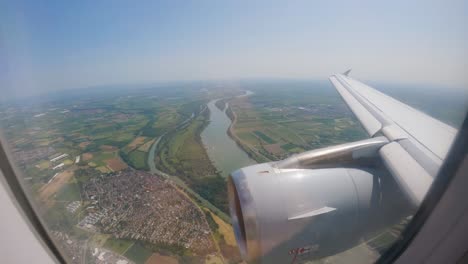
<point x="223" y="152"/>
<point x="259" y="158"/>
<point x="180" y="157"/>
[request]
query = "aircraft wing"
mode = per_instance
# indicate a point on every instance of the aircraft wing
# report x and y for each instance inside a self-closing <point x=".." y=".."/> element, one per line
<point x="417" y="144"/>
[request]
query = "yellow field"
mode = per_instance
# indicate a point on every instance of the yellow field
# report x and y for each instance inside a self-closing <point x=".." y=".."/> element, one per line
<point x="99" y="240"/>
<point x="108" y="148"/>
<point x="136" y="143"/>
<point x="44" y="143"/>
<point x="68" y="162"/>
<point x="84" y="144"/>
<point x="145" y="147"/>
<point x="43" y="165"/>
<point x="54" y="186"/>
<point x="103" y="169"/>
<point x="225" y="229"/>
<point x="213" y="259"/>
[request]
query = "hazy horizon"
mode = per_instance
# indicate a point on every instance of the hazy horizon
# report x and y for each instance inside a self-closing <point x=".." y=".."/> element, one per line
<point x="56" y="46"/>
<point x="243" y="84"/>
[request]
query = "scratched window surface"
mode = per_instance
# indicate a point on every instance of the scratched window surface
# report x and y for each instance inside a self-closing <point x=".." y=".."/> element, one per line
<point x="196" y="132"/>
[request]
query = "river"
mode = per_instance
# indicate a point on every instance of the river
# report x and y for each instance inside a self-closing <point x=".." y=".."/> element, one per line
<point x="223" y="152"/>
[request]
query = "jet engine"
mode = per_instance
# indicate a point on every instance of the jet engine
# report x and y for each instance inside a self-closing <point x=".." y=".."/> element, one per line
<point x="311" y="205"/>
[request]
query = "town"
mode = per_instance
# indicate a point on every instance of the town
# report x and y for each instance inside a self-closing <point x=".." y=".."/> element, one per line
<point x="133" y="204"/>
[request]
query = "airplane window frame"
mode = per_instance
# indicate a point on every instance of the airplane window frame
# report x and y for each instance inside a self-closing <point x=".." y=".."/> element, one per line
<point x="438" y="188"/>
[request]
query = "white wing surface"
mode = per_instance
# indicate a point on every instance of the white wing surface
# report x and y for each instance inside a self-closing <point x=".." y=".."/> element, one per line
<point x="418" y="143"/>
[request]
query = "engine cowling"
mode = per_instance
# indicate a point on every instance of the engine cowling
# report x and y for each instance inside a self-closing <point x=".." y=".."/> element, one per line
<point x="283" y="214"/>
<point x="314" y="204"/>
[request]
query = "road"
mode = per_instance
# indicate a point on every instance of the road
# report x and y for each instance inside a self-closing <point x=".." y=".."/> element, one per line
<point x="83" y="256"/>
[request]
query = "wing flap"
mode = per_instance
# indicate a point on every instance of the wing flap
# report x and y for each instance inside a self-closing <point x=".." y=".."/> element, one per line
<point x="409" y="174"/>
<point x="418" y="143"/>
<point x="414" y="122"/>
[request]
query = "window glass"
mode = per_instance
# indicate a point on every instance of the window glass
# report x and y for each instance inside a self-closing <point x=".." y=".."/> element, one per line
<point x="125" y="121"/>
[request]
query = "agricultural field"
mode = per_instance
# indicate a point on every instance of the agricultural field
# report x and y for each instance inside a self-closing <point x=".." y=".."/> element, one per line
<point x="115" y="164"/>
<point x="69" y="192"/>
<point x="56" y="183"/>
<point x="223" y="234"/>
<point x="224" y="230"/>
<point x="146" y="147"/>
<point x="138" y="253"/>
<point x="119" y="246"/>
<point x="94" y="136"/>
<point x="185" y="154"/>
<point x="135" y="153"/>
<point x="159" y="259"/>
<point x="276" y="123"/>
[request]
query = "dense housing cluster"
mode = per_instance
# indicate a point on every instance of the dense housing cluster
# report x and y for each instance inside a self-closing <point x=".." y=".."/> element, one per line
<point x="24" y="156"/>
<point x="142" y="206"/>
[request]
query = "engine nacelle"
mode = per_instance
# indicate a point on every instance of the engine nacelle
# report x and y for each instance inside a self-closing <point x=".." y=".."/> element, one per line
<point x="279" y="216"/>
<point x="308" y="206"/>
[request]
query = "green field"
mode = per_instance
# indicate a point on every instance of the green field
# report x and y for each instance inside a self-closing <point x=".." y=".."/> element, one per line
<point x="182" y="154"/>
<point x="137" y="159"/>
<point x="297" y="119"/>
<point x="119" y="246"/>
<point x="99" y="158"/>
<point x="138" y="253"/>
<point x="288" y="146"/>
<point x="69" y="192"/>
<point x="264" y="137"/>
<point x="44" y="164"/>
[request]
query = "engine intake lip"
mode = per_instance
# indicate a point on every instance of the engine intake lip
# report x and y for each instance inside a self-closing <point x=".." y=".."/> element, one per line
<point x="243" y="217"/>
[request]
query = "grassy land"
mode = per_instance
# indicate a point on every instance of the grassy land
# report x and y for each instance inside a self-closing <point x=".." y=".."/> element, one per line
<point x="135" y="153"/>
<point x="225" y="230"/>
<point x="138" y="253"/>
<point x="223" y="234"/>
<point x="137" y="159"/>
<point x="44" y="164"/>
<point x="69" y="192"/>
<point x="99" y="239"/>
<point x="264" y="137"/>
<point x="146" y="147"/>
<point x="182" y="154"/>
<point x="119" y="246"/>
<point x="103" y="169"/>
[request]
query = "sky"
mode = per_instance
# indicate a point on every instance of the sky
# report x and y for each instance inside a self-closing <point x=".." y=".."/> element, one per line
<point x="55" y="45"/>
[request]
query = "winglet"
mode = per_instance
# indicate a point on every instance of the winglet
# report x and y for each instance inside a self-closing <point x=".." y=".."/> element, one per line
<point x="346" y="73"/>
